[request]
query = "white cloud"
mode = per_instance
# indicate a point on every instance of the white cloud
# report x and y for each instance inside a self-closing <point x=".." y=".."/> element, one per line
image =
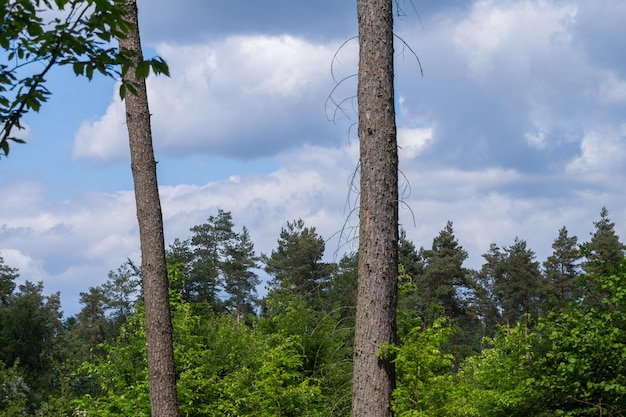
<point x="503" y="33"/>
<point x="602" y="153"/>
<point x="240" y="96"/>
<point x="26" y="265"/>
<point x="412" y="141"/>
<point x="105" y="138"/>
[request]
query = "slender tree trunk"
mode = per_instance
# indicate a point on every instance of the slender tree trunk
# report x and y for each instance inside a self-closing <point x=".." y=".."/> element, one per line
<point x="374" y="376"/>
<point x="161" y="371"/>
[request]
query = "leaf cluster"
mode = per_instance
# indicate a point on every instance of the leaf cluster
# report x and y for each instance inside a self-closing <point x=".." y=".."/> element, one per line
<point x="38" y="35"/>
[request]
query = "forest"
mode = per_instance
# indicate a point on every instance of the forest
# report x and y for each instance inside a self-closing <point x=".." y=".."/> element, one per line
<point x="518" y="337"/>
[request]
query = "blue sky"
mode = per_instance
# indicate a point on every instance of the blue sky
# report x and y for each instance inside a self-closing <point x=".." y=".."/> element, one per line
<point x="516" y="128"/>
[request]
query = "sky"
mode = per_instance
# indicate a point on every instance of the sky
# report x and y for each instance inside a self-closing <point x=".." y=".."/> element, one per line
<point x="516" y="128"/>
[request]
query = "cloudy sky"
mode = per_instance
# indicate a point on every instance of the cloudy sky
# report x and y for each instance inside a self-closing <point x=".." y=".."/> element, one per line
<point x="516" y="128"/>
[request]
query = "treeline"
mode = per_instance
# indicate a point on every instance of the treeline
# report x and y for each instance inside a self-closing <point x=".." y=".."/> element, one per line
<point x="517" y="337"/>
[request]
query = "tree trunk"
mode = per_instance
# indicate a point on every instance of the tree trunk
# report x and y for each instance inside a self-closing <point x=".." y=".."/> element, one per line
<point x="374" y="375"/>
<point x="161" y="371"/>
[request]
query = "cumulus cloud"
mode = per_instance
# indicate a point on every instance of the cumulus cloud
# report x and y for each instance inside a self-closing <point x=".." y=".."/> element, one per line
<point x="502" y="33"/>
<point x="602" y="152"/>
<point x="242" y="96"/>
<point x="513" y="84"/>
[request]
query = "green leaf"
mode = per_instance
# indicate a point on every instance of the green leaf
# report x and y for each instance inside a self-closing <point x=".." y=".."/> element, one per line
<point x="89" y="71"/>
<point x="142" y="70"/>
<point x="4" y="146"/>
<point x="159" y="66"/>
<point x="79" y="68"/>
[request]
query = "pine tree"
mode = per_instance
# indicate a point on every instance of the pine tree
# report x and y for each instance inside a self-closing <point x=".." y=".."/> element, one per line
<point x="410" y="268"/>
<point x="179" y="255"/>
<point x="159" y="331"/>
<point x="240" y="280"/>
<point x="604" y="251"/>
<point x="209" y="243"/>
<point x="562" y="269"/>
<point x="444" y="277"/>
<point x="485" y="302"/>
<point x="520" y="288"/>
<point x="374" y="376"/>
<point x="341" y="294"/>
<point x="296" y="264"/>
<point x="8" y="276"/>
<point x="92" y="325"/>
<point x="409" y="257"/>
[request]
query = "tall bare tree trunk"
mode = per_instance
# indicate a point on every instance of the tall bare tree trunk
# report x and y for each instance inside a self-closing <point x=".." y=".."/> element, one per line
<point x="161" y="371"/>
<point x="374" y="376"/>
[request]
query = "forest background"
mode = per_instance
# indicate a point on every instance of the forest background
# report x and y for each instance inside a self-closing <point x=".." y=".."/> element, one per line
<point x="517" y="337"/>
<point x="515" y="129"/>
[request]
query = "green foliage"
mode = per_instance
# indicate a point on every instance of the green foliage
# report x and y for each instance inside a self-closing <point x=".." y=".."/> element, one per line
<point x="423" y="366"/>
<point x="121" y="377"/>
<point x="8" y="276"/>
<point x="500" y="381"/>
<point x="510" y="285"/>
<point x="296" y="264"/>
<point x="326" y="343"/>
<point x="14" y="392"/>
<point x="224" y="369"/>
<point x="105" y="308"/>
<point x="216" y="267"/>
<point x="240" y="280"/>
<point x="568" y="364"/>
<point x="562" y="270"/>
<point x="296" y="359"/>
<point x="38" y="35"/>
<point x="30" y="332"/>
<point x="603" y="254"/>
<point x="521" y="289"/>
<point x="439" y="277"/>
<point x="582" y="369"/>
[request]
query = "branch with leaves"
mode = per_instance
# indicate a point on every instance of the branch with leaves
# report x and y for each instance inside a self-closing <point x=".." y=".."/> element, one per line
<point x="37" y="35"/>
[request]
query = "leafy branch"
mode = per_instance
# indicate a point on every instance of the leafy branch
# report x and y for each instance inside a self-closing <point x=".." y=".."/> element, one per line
<point x="80" y="37"/>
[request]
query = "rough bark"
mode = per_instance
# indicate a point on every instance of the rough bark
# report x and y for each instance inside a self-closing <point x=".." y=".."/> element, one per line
<point x="161" y="371"/>
<point x="374" y="376"/>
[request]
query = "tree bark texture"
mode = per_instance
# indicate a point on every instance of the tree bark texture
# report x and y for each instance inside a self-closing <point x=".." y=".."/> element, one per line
<point x="374" y="376"/>
<point x="161" y="371"/>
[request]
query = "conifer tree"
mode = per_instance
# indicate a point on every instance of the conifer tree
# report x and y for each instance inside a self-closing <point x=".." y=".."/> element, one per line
<point x="341" y="294"/>
<point x="92" y="325"/>
<point x="562" y="269"/>
<point x="604" y="251"/>
<point x="240" y="280"/>
<point x="30" y="331"/>
<point x="210" y="243"/>
<point x="444" y="276"/>
<point x="296" y="264"/>
<point x="180" y="256"/>
<point x="8" y="276"/>
<point x="409" y="257"/>
<point x="485" y="302"/>
<point x="159" y="332"/>
<point x="377" y="295"/>
<point x="410" y="268"/>
<point x="520" y="288"/>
